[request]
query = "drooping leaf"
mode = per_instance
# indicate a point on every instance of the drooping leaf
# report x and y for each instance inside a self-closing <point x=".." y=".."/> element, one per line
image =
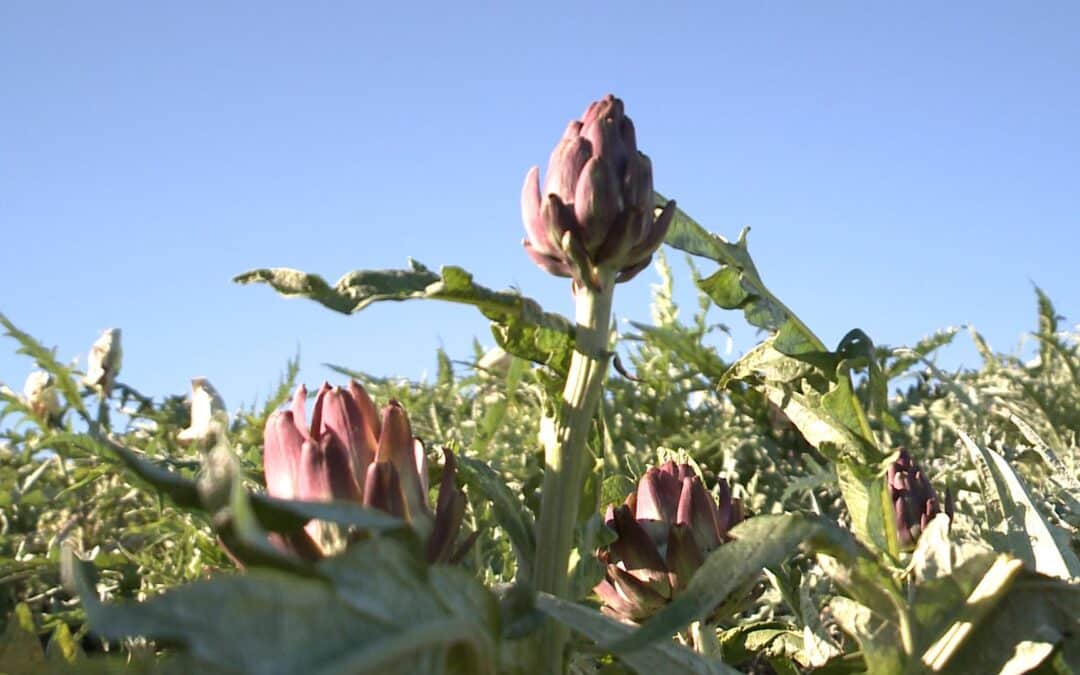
<point x="520" y="326"/>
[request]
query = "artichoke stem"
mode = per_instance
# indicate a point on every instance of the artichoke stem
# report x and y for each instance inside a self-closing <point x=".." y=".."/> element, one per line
<point x="566" y="456"/>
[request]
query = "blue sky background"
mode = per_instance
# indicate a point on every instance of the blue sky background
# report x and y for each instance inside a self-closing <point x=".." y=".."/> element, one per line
<point x="904" y="167"/>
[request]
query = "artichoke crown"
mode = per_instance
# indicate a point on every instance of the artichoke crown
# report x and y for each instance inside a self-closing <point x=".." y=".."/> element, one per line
<point x="664" y="530"/>
<point x="596" y="208"/>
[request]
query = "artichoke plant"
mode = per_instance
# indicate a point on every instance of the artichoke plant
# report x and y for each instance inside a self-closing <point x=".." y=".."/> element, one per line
<point x="914" y="501"/>
<point x="596" y="208"/>
<point x="664" y="529"/>
<point x="352" y="453"/>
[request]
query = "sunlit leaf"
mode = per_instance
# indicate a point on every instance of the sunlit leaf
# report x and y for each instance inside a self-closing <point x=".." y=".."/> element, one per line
<point x="520" y="326"/>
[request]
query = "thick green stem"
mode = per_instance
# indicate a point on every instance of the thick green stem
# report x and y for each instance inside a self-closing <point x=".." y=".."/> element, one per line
<point x="565" y="459"/>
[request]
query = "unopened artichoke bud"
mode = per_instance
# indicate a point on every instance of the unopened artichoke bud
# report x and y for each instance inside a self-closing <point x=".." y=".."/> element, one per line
<point x="103" y="363"/>
<point x="596" y="208"/>
<point x="664" y="531"/>
<point x="206" y="402"/>
<point x="913" y="498"/>
<point x="39" y="392"/>
<point x="350" y="454"/>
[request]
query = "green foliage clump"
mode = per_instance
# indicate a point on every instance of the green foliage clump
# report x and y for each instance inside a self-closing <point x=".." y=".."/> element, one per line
<point x="122" y="549"/>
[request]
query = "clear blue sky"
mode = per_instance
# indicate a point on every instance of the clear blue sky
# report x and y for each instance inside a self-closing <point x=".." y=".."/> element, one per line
<point x="904" y="166"/>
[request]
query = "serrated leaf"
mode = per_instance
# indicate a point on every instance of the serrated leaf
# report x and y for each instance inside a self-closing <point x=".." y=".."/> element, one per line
<point x="814" y="391"/>
<point x="739" y="643"/>
<point x="1059" y="471"/>
<point x="520" y="326"/>
<point x="738" y="285"/>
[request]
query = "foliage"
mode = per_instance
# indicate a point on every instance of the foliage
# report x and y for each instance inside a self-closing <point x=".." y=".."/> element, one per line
<point x="113" y="534"/>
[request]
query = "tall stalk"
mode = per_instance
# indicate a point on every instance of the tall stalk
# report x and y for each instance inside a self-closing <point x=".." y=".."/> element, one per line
<point x="565" y="458"/>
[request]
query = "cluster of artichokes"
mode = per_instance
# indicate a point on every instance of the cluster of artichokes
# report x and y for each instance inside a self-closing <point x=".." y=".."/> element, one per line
<point x="351" y="452"/>
<point x="664" y="529"/>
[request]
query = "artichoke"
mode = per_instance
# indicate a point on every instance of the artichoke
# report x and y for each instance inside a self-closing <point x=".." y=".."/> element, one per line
<point x="664" y="530"/>
<point x="913" y="499"/>
<point x="349" y="453"/>
<point x="596" y="208"/>
<point x="103" y="363"/>
<point x="39" y="392"/>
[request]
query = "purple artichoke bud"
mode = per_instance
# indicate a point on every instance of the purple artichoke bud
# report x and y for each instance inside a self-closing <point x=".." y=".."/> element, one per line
<point x="349" y="453"/>
<point x="596" y="208"/>
<point x="914" y="501"/>
<point x="664" y="531"/>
